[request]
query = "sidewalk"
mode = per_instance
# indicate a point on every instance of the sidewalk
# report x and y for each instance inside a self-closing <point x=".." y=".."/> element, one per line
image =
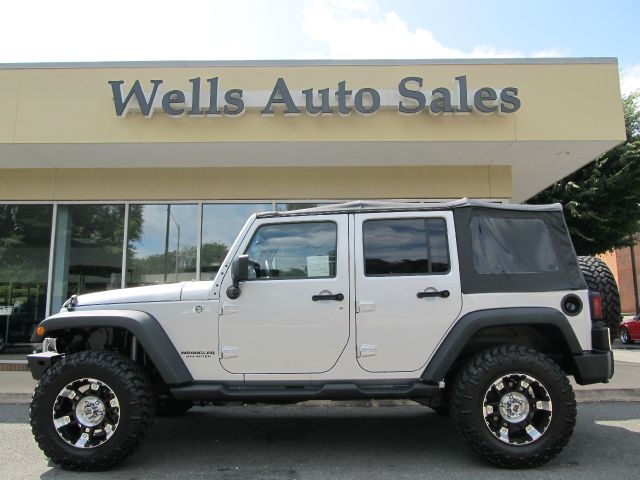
<point x="17" y="386"/>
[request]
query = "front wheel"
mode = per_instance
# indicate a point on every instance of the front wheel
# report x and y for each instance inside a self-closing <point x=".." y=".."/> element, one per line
<point x="514" y="406"/>
<point x="91" y="410"/>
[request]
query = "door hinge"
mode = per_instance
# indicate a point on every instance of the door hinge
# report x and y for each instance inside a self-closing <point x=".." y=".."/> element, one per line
<point x="230" y="352"/>
<point x="365" y="306"/>
<point x="229" y="307"/>
<point x="367" y="350"/>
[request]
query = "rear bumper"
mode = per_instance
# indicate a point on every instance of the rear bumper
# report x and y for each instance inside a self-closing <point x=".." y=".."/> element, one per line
<point x="595" y="366"/>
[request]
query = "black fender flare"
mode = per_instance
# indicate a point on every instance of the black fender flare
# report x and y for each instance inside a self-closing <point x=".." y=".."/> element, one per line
<point x="142" y="325"/>
<point x="471" y="323"/>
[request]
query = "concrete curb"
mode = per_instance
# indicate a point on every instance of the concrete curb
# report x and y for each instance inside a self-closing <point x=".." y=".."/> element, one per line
<point x="582" y="396"/>
<point x="608" y="395"/>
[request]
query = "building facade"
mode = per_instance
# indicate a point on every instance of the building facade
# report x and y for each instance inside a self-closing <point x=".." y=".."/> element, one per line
<point x="118" y="175"/>
<point x="624" y="264"/>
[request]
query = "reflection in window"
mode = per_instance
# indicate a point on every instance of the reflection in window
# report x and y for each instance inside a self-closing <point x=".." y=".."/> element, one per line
<point x="161" y="244"/>
<point x="405" y="246"/>
<point x="221" y="223"/>
<point x="293" y="250"/>
<point x="88" y="250"/>
<point x="25" y="235"/>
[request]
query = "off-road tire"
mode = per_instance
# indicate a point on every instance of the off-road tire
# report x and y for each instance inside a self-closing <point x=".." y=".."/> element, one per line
<point x="136" y="409"/>
<point x="600" y="279"/>
<point x="479" y="375"/>
<point x="624" y="336"/>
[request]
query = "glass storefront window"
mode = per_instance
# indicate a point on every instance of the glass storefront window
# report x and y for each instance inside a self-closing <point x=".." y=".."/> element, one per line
<point x="161" y="244"/>
<point x="88" y="250"/>
<point x="220" y="226"/>
<point x="25" y="236"/>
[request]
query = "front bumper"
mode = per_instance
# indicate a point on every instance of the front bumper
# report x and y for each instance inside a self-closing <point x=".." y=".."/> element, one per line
<point x="39" y="362"/>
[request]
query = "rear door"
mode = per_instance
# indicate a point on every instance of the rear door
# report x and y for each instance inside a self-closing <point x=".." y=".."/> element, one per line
<point x="407" y="287"/>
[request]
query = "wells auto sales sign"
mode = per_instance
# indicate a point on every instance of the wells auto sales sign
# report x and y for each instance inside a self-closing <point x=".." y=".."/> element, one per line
<point x="205" y="97"/>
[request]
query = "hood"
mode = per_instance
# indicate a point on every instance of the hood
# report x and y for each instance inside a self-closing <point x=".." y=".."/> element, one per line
<point x="153" y="293"/>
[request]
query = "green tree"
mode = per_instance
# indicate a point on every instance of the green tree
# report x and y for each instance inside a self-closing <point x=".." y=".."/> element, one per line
<point x="602" y="200"/>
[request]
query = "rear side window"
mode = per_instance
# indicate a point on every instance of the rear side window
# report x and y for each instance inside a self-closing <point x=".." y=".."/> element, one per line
<point x="293" y="251"/>
<point x="512" y="245"/>
<point x="410" y="246"/>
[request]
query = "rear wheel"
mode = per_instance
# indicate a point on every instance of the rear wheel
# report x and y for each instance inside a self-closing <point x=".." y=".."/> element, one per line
<point x="91" y="410"/>
<point x="514" y="406"/>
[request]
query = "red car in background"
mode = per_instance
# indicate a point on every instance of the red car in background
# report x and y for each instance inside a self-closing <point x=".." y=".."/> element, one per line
<point x="630" y="330"/>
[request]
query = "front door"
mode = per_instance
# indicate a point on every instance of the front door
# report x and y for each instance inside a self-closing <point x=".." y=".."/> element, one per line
<point x="407" y="288"/>
<point x="292" y="316"/>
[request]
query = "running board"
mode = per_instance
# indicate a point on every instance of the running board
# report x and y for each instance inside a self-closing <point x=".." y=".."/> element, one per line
<point x="204" y="391"/>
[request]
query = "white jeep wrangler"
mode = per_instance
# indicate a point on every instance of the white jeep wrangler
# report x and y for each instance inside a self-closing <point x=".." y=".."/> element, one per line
<point x="475" y="309"/>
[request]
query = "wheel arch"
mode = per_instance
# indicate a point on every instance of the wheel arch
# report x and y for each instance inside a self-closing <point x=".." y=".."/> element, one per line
<point x="146" y="329"/>
<point x="543" y="328"/>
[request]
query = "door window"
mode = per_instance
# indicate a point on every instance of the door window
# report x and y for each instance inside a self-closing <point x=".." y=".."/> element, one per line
<point x="293" y="251"/>
<point x="410" y="246"/>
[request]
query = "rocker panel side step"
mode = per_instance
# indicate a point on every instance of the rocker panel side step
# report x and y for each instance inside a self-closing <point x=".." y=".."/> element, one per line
<point x="204" y="391"/>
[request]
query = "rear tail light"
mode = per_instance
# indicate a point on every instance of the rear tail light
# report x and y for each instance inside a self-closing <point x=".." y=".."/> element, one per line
<point x="596" y="306"/>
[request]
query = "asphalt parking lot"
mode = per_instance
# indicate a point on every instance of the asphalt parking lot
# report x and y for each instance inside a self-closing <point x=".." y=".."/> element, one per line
<point x="337" y="441"/>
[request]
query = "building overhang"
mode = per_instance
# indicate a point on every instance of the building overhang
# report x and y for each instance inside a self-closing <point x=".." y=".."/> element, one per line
<point x="534" y="165"/>
<point x="562" y="114"/>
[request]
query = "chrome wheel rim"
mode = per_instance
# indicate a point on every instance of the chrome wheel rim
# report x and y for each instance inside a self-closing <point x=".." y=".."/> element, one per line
<point x="623" y="336"/>
<point x="517" y="409"/>
<point x="86" y="413"/>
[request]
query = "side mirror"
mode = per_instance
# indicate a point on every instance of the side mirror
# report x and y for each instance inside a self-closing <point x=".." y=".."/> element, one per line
<point x="240" y="269"/>
<point x="239" y="273"/>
